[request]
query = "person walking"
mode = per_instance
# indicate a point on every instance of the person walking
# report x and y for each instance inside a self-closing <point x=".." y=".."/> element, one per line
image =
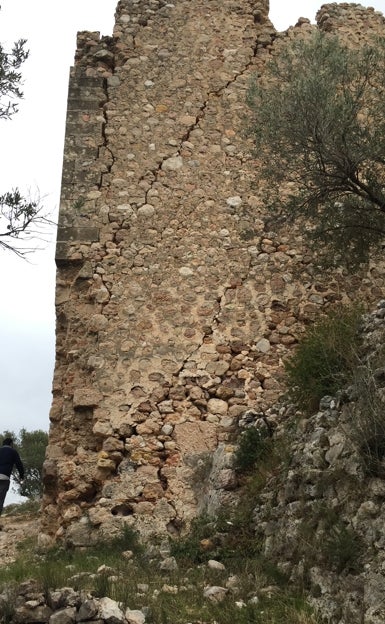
<point x="9" y="457"/>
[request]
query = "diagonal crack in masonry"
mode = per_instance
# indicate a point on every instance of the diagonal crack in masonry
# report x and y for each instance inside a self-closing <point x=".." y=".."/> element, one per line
<point x="215" y="319"/>
<point x="185" y="137"/>
<point x="200" y="115"/>
<point x="142" y="23"/>
<point x="155" y="172"/>
<point x="218" y="93"/>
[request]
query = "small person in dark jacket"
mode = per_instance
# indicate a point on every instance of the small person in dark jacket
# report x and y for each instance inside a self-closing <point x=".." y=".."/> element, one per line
<point x="9" y="457"/>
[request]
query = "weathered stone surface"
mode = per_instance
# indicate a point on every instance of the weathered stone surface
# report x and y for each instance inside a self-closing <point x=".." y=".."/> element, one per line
<point x="176" y="307"/>
<point x="331" y="494"/>
<point x="110" y="612"/>
<point x="87" y="611"/>
<point x="215" y="565"/>
<point x="32" y="613"/>
<point x="215" y="593"/>
<point x="133" y="616"/>
<point x="64" y="616"/>
<point x="86" y="397"/>
<point x="195" y="437"/>
<point x="169" y="564"/>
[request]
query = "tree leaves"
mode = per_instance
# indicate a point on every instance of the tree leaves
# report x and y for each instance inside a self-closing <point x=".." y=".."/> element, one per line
<point x="319" y="130"/>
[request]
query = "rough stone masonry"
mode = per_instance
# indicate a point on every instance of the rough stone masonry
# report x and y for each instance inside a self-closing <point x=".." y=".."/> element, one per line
<point x="175" y="305"/>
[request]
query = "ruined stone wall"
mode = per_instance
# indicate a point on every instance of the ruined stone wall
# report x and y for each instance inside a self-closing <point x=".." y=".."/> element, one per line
<point x="175" y="307"/>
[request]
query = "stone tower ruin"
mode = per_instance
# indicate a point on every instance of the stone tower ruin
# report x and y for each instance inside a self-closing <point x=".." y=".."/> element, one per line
<point x="175" y="305"/>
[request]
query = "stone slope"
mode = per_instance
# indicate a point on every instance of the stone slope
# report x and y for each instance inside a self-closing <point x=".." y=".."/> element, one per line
<point x="322" y="520"/>
<point x="15" y="529"/>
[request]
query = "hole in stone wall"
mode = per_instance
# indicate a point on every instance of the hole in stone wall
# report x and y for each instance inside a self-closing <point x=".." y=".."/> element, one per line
<point x="278" y="305"/>
<point x="87" y="493"/>
<point x="163" y="480"/>
<point x="84" y="412"/>
<point x="81" y="285"/>
<point x="122" y="510"/>
<point x="174" y="527"/>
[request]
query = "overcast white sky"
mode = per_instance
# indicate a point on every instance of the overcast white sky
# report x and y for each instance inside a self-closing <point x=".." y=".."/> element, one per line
<point x="31" y="158"/>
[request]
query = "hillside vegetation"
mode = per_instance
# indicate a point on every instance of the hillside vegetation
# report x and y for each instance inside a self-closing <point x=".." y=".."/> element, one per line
<point x="255" y="561"/>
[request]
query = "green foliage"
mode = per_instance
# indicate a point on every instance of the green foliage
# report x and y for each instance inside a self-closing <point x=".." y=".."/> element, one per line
<point x="367" y="422"/>
<point x="10" y="77"/>
<point x="31" y="446"/>
<point x="169" y="596"/>
<point x="230" y="536"/>
<point x="127" y="539"/>
<point x="188" y="548"/>
<point x="283" y="608"/>
<point x="325" y="358"/>
<point x="253" y="446"/>
<point x="16" y="214"/>
<point x="326" y="540"/>
<point x="28" y="508"/>
<point x="78" y="203"/>
<point x="7" y="604"/>
<point x="318" y="120"/>
<point x="20" y="218"/>
<point x="342" y="549"/>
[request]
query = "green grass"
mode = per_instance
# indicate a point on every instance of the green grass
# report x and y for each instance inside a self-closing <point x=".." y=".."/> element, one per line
<point x="254" y="445"/>
<point x="326" y="541"/>
<point x="325" y="358"/>
<point x="171" y="596"/>
<point x="259" y="591"/>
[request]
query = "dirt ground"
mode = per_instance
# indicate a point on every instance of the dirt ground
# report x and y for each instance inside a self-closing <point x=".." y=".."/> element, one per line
<point x="16" y="528"/>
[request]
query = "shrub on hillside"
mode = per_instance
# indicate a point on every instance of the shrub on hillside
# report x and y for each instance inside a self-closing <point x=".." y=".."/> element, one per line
<point x="325" y="358"/>
<point x="318" y="122"/>
<point x="367" y="422"/>
<point x="253" y="446"/>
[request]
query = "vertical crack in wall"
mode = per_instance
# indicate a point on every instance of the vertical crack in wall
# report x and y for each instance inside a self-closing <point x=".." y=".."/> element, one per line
<point x="105" y="144"/>
<point x="142" y="22"/>
<point x="155" y="173"/>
